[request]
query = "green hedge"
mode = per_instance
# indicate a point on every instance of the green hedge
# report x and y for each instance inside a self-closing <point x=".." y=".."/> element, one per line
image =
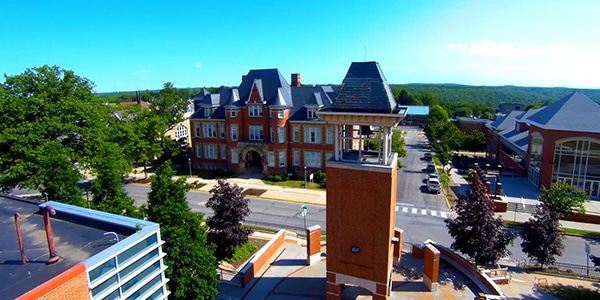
<point x="242" y="252"/>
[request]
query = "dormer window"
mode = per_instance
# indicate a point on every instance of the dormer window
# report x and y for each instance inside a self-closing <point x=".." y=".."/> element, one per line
<point x="311" y="113"/>
<point x="208" y="111"/>
<point x="233" y="113"/>
<point x="280" y="114"/>
<point x="255" y="111"/>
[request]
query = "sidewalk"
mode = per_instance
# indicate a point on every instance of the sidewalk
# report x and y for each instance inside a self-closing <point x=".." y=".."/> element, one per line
<point x="461" y="185"/>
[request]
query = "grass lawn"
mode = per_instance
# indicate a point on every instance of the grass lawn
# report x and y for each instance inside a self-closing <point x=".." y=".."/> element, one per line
<point x="569" y="231"/>
<point x="294" y="184"/>
<point x="571" y="292"/>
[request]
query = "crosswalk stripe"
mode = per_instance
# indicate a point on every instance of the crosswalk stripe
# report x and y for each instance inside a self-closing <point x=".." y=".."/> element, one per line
<point x="443" y="214"/>
<point x="405" y="209"/>
<point x="423" y="211"/>
<point x="433" y="213"/>
<point x="414" y="210"/>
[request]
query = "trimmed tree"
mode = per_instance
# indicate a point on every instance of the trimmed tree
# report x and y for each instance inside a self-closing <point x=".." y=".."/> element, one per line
<point x="190" y="258"/>
<point x="563" y="198"/>
<point x="541" y="235"/>
<point x="230" y="209"/>
<point x="475" y="231"/>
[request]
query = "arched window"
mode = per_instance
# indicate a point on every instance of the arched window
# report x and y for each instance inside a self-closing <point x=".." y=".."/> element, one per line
<point x="181" y="132"/>
<point x="577" y="162"/>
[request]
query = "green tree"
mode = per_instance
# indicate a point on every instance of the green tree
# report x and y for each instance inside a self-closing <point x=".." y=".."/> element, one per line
<point x="474" y="142"/>
<point x="475" y="231"/>
<point x="170" y="105"/>
<point x="230" y="209"/>
<point x="107" y="188"/>
<point x="564" y="198"/>
<point x="541" y="235"/>
<point x="192" y="264"/>
<point x="51" y="120"/>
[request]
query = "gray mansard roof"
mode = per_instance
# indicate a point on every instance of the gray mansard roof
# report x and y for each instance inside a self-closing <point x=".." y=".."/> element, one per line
<point x="271" y="85"/>
<point x="575" y="112"/>
<point x="365" y="89"/>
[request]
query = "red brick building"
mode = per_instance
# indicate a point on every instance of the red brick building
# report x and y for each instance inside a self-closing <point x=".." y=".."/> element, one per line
<point x="558" y="142"/>
<point x="263" y="125"/>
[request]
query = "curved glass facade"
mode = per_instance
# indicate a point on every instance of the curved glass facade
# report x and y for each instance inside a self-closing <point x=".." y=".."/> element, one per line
<point x="577" y="162"/>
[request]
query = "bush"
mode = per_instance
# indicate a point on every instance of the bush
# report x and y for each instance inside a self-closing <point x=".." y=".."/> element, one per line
<point x="242" y="252"/>
<point x="320" y="177"/>
<point x="276" y="178"/>
<point x="323" y="183"/>
<point x="270" y="177"/>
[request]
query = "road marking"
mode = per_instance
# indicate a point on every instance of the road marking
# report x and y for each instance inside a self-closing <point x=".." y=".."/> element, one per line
<point x="405" y="209"/>
<point x="423" y="211"/>
<point x="414" y="210"/>
<point x="433" y="213"/>
<point x="443" y="214"/>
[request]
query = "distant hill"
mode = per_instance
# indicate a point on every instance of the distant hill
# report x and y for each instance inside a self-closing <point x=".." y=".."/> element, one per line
<point x="495" y="94"/>
<point x="467" y="93"/>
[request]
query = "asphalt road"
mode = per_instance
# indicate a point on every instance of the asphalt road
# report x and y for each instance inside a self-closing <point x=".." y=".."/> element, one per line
<point x="411" y="178"/>
<point x="264" y="213"/>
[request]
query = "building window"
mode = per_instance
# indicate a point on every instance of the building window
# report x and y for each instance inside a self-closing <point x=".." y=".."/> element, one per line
<point x="281" y="135"/>
<point x="210" y="151"/>
<point x="282" y="158"/>
<point x="233" y="113"/>
<point x="209" y="131"/>
<point x="312" y="135"/>
<point x="296" y="157"/>
<point x="196" y="129"/>
<point x="328" y="155"/>
<point x="234" y="132"/>
<point x="198" y="151"/>
<point x="577" y="162"/>
<point x="271" y="158"/>
<point x="255" y="111"/>
<point x="256" y="132"/>
<point x="296" y="132"/>
<point x="271" y="113"/>
<point x="311" y="113"/>
<point x="222" y="130"/>
<point x="271" y="135"/>
<point x="208" y="111"/>
<point x="181" y="132"/>
<point x="329" y="136"/>
<point x="223" y="150"/>
<point x="234" y="156"/>
<point x="312" y="159"/>
<point x="280" y="113"/>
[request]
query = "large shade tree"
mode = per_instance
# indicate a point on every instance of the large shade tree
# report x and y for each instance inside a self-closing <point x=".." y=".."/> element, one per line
<point x="475" y="231"/>
<point x="51" y="121"/>
<point x="192" y="264"/>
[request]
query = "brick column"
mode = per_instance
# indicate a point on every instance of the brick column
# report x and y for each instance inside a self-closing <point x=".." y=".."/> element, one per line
<point x="313" y="244"/>
<point x="499" y="188"/>
<point x="488" y="186"/>
<point x="431" y="268"/>
<point x="399" y="234"/>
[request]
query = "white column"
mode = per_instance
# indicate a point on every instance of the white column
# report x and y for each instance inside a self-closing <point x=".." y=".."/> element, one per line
<point x="337" y="141"/>
<point x="386" y="145"/>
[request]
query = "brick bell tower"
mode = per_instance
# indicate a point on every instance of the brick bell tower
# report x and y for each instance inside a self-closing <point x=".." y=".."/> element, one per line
<point x="361" y="183"/>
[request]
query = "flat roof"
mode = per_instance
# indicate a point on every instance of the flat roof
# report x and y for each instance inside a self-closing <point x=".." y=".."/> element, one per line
<point x="75" y="239"/>
<point x="417" y="110"/>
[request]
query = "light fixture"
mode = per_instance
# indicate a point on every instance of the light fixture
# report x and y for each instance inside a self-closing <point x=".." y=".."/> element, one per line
<point x="355" y="249"/>
<point x="395" y="240"/>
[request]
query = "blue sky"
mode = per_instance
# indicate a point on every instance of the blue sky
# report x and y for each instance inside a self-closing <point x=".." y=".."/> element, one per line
<point x="129" y="45"/>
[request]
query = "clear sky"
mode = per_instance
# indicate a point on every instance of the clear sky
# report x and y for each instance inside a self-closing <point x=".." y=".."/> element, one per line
<point x="129" y="45"/>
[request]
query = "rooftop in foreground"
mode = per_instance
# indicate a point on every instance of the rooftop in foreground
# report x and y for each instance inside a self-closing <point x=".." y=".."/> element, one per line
<point x="76" y="240"/>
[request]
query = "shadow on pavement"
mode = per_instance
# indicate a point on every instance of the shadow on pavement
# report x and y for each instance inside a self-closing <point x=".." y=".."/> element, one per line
<point x="289" y="262"/>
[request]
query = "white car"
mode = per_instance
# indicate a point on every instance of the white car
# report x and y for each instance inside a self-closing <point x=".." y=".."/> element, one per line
<point x="434" y="185"/>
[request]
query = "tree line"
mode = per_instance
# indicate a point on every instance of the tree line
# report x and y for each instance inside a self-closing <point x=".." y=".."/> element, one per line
<point x="56" y="131"/>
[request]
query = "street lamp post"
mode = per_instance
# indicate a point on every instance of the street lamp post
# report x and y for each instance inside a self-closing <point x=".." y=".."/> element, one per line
<point x="305" y="186"/>
<point x="304" y="211"/>
<point x="190" y="165"/>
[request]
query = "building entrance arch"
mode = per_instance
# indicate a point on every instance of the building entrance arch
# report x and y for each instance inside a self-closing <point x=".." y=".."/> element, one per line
<point x="253" y="159"/>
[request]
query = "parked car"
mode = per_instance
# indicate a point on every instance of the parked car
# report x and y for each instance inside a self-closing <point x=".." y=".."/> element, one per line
<point x="433" y="185"/>
<point x="430" y="167"/>
<point x="428" y="156"/>
<point x="434" y="175"/>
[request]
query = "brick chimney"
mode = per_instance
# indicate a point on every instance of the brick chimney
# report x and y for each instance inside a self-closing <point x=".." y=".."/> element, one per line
<point x="296" y="80"/>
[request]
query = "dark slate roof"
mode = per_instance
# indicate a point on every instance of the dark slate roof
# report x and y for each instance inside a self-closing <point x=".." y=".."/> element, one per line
<point x="365" y="89"/>
<point x="270" y="83"/>
<point x="231" y="97"/>
<point x="507" y="122"/>
<point x="200" y="95"/>
<point x="211" y="100"/>
<point x="309" y="96"/>
<point x="575" y="112"/>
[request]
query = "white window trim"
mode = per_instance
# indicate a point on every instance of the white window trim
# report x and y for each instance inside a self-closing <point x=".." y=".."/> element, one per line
<point x="234" y="132"/>
<point x="281" y="135"/>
